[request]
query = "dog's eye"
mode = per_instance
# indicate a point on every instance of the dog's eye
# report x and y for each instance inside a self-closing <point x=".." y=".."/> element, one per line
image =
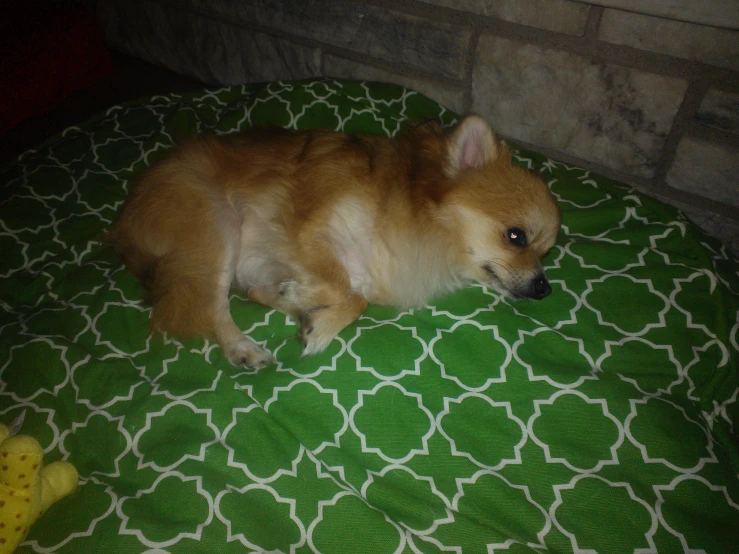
<point x="517" y="237"/>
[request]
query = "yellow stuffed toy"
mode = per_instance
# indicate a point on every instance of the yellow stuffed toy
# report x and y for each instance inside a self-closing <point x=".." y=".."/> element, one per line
<point x="27" y="488"/>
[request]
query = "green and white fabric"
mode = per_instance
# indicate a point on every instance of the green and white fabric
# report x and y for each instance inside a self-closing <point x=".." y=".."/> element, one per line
<point x="604" y="418"/>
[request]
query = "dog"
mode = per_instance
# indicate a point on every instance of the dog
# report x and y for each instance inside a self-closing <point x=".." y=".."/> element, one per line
<point x="317" y="224"/>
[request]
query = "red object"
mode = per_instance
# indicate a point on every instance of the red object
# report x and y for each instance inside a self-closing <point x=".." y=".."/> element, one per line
<point x="48" y="50"/>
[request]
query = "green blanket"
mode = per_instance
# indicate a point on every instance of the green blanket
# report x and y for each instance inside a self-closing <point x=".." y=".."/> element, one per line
<point x="603" y="418"/>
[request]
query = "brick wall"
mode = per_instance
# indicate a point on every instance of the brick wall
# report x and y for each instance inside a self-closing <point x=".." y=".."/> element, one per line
<point x="651" y="99"/>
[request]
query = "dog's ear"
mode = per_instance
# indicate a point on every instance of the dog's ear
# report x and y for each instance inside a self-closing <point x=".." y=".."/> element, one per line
<point x="471" y="145"/>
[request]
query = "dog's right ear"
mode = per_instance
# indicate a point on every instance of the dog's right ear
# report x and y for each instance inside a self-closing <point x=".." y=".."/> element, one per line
<point x="471" y="145"/>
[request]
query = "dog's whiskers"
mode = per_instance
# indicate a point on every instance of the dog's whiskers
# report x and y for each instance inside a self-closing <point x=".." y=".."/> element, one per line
<point x="503" y="265"/>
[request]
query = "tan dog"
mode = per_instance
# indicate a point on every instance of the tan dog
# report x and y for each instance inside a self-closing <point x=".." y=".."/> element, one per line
<point x="317" y="224"/>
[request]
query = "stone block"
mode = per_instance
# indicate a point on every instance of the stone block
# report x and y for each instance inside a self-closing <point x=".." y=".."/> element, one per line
<point x="706" y="168"/>
<point x="718" y="13"/>
<point x="615" y="116"/>
<point x="561" y="16"/>
<point x="434" y="47"/>
<point x="449" y="96"/>
<point x="720" y="109"/>
<point x="700" y="43"/>
<point x="212" y="51"/>
<point x="723" y="228"/>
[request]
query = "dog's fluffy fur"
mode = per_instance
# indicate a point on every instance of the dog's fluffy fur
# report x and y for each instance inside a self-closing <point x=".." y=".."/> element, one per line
<point x="317" y="224"/>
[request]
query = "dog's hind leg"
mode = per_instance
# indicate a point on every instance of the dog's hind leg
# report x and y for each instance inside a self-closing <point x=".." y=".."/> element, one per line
<point x="189" y="288"/>
<point x="239" y="349"/>
<point x="192" y="300"/>
<point x="180" y="235"/>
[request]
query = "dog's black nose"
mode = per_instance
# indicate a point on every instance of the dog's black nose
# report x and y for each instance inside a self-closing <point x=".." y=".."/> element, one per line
<point x="541" y="288"/>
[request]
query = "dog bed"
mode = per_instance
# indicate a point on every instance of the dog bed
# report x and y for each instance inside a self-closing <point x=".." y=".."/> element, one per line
<point x="603" y="418"/>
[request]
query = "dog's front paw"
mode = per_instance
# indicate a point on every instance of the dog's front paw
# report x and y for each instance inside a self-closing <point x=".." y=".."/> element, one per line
<point x="316" y="331"/>
<point x="247" y="353"/>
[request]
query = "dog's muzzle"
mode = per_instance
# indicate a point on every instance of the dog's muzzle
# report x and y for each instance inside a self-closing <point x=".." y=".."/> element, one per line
<point x="538" y="288"/>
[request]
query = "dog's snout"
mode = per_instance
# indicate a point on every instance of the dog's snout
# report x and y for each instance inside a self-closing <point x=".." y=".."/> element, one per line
<point x="535" y="289"/>
<point x="540" y="288"/>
